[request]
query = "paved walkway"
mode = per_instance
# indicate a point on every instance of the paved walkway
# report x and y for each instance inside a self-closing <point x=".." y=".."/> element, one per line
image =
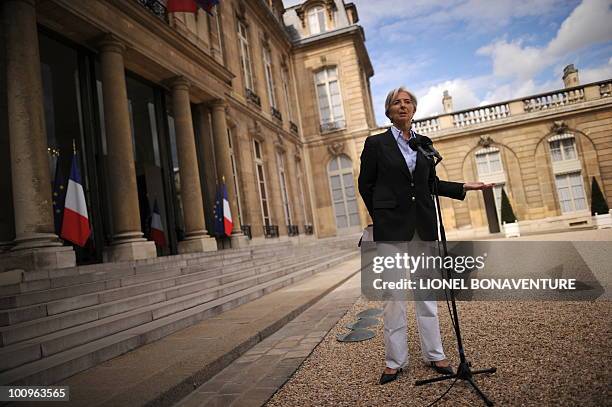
<point x="164" y="372"/>
<point x="253" y="378"/>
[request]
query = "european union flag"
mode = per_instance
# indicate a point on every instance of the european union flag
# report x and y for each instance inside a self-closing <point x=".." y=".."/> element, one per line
<point x="207" y="5"/>
<point x="59" y="196"/>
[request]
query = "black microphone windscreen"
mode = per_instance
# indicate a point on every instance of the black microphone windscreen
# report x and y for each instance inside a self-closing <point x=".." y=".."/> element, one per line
<point x="413" y="144"/>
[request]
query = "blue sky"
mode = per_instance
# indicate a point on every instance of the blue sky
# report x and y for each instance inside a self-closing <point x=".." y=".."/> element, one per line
<point x="482" y="51"/>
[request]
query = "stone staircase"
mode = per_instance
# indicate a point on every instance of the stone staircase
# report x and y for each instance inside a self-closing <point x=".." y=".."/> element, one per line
<point x="65" y="321"/>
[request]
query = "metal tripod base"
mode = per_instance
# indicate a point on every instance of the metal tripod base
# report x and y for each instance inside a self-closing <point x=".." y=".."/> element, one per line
<point x="463" y="373"/>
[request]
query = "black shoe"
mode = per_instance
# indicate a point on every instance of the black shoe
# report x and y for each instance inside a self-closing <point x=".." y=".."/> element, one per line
<point x="389" y="377"/>
<point x="448" y="370"/>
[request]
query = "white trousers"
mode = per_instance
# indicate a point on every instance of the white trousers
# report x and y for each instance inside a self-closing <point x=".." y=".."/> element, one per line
<point x="396" y="337"/>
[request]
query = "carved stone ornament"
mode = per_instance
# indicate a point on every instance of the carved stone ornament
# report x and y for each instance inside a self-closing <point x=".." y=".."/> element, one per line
<point x="279" y="144"/>
<point x="335" y="149"/>
<point x="559" y="127"/>
<point x="485" y="141"/>
<point x="297" y="154"/>
<point x="255" y="130"/>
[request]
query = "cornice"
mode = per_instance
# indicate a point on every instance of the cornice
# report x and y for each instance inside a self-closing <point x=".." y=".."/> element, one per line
<point x="157" y="28"/>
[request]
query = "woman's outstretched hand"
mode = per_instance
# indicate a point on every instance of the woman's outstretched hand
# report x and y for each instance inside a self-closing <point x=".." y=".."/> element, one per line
<point x="475" y="186"/>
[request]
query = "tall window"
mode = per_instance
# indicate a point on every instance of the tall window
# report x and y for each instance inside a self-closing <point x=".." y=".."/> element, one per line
<point x="285" y="79"/>
<point x="300" y="182"/>
<point x="283" y="187"/>
<point x="261" y="183"/>
<point x="340" y="172"/>
<point x="316" y="20"/>
<point x="267" y="59"/>
<point x="563" y="149"/>
<point x="245" y="56"/>
<point x="571" y="192"/>
<point x="234" y="174"/>
<point x="490" y="169"/>
<point x="330" y="101"/>
<point x="567" y="171"/>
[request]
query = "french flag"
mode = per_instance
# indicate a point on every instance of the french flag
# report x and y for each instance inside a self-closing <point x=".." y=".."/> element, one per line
<point x="228" y="224"/>
<point x="75" y="224"/>
<point x="157" y="228"/>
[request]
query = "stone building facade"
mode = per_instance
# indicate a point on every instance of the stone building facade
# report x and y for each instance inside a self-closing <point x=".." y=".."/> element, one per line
<point x="544" y="150"/>
<point x="161" y="108"/>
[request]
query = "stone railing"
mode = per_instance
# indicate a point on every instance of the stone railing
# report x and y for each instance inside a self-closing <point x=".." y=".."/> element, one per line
<point x="481" y="115"/>
<point x="605" y="89"/>
<point x="425" y="126"/>
<point x="554" y="99"/>
<point x="543" y="104"/>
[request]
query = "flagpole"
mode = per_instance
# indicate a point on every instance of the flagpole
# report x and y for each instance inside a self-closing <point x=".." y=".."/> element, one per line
<point x="74" y="146"/>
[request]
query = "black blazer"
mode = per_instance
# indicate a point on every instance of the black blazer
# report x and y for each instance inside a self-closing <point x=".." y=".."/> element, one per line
<point x="400" y="203"/>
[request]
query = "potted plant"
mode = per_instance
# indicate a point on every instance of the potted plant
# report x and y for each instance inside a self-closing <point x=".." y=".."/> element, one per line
<point x="599" y="207"/>
<point x="509" y="221"/>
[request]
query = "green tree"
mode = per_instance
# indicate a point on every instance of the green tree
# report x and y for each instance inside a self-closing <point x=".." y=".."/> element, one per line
<point x="507" y="214"/>
<point x="598" y="202"/>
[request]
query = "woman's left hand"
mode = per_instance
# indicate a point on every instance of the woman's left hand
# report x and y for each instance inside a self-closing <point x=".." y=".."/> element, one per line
<point x="475" y="186"/>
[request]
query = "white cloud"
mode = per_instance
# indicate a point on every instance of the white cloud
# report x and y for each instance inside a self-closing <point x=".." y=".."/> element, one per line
<point x="462" y="91"/>
<point x="588" y="24"/>
<point x="596" y="74"/>
<point x="513" y="60"/>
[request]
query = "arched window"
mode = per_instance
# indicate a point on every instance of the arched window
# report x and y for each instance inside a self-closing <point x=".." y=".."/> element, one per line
<point x="341" y="181"/>
<point x="316" y="20"/>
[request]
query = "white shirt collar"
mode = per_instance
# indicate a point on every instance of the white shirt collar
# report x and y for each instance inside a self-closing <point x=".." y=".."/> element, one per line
<point x="398" y="133"/>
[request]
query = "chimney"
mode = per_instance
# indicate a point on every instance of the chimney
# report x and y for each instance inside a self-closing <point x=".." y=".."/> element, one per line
<point x="447" y="102"/>
<point x="570" y="76"/>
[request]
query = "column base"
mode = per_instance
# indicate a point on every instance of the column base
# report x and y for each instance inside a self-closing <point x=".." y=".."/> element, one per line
<point x="129" y="251"/>
<point x="238" y="240"/>
<point x="55" y="257"/>
<point x="198" y="244"/>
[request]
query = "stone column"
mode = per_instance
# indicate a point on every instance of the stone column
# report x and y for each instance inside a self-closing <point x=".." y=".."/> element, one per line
<point x="36" y="244"/>
<point x="224" y="167"/>
<point x="196" y="238"/>
<point x="128" y="243"/>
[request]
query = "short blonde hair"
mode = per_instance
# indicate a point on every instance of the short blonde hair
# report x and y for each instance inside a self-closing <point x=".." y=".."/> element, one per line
<point x="393" y="94"/>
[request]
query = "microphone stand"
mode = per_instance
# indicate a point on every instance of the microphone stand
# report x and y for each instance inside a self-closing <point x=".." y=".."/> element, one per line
<point x="464" y="371"/>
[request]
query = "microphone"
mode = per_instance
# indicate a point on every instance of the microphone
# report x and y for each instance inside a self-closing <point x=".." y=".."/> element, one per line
<point x="425" y="146"/>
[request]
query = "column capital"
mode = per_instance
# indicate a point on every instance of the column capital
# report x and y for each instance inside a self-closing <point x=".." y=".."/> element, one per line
<point x="179" y="83"/>
<point x="218" y="104"/>
<point x="110" y="43"/>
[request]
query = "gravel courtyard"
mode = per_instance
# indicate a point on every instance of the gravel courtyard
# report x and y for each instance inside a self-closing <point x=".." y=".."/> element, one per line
<point x="546" y="354"/>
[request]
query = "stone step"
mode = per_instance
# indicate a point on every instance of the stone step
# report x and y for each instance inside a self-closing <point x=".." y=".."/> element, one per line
<point x="39" y="279"/>
<point x="140" y="282"/>
<point x="93" y="282"/>
<point x="66" y="363"/>
<point x="104" y="304"/>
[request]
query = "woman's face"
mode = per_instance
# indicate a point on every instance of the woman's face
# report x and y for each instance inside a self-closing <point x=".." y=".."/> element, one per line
<point x="402" y="109"/>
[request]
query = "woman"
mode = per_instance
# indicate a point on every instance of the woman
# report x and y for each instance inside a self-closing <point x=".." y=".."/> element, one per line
<point x="395" y="184"/>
